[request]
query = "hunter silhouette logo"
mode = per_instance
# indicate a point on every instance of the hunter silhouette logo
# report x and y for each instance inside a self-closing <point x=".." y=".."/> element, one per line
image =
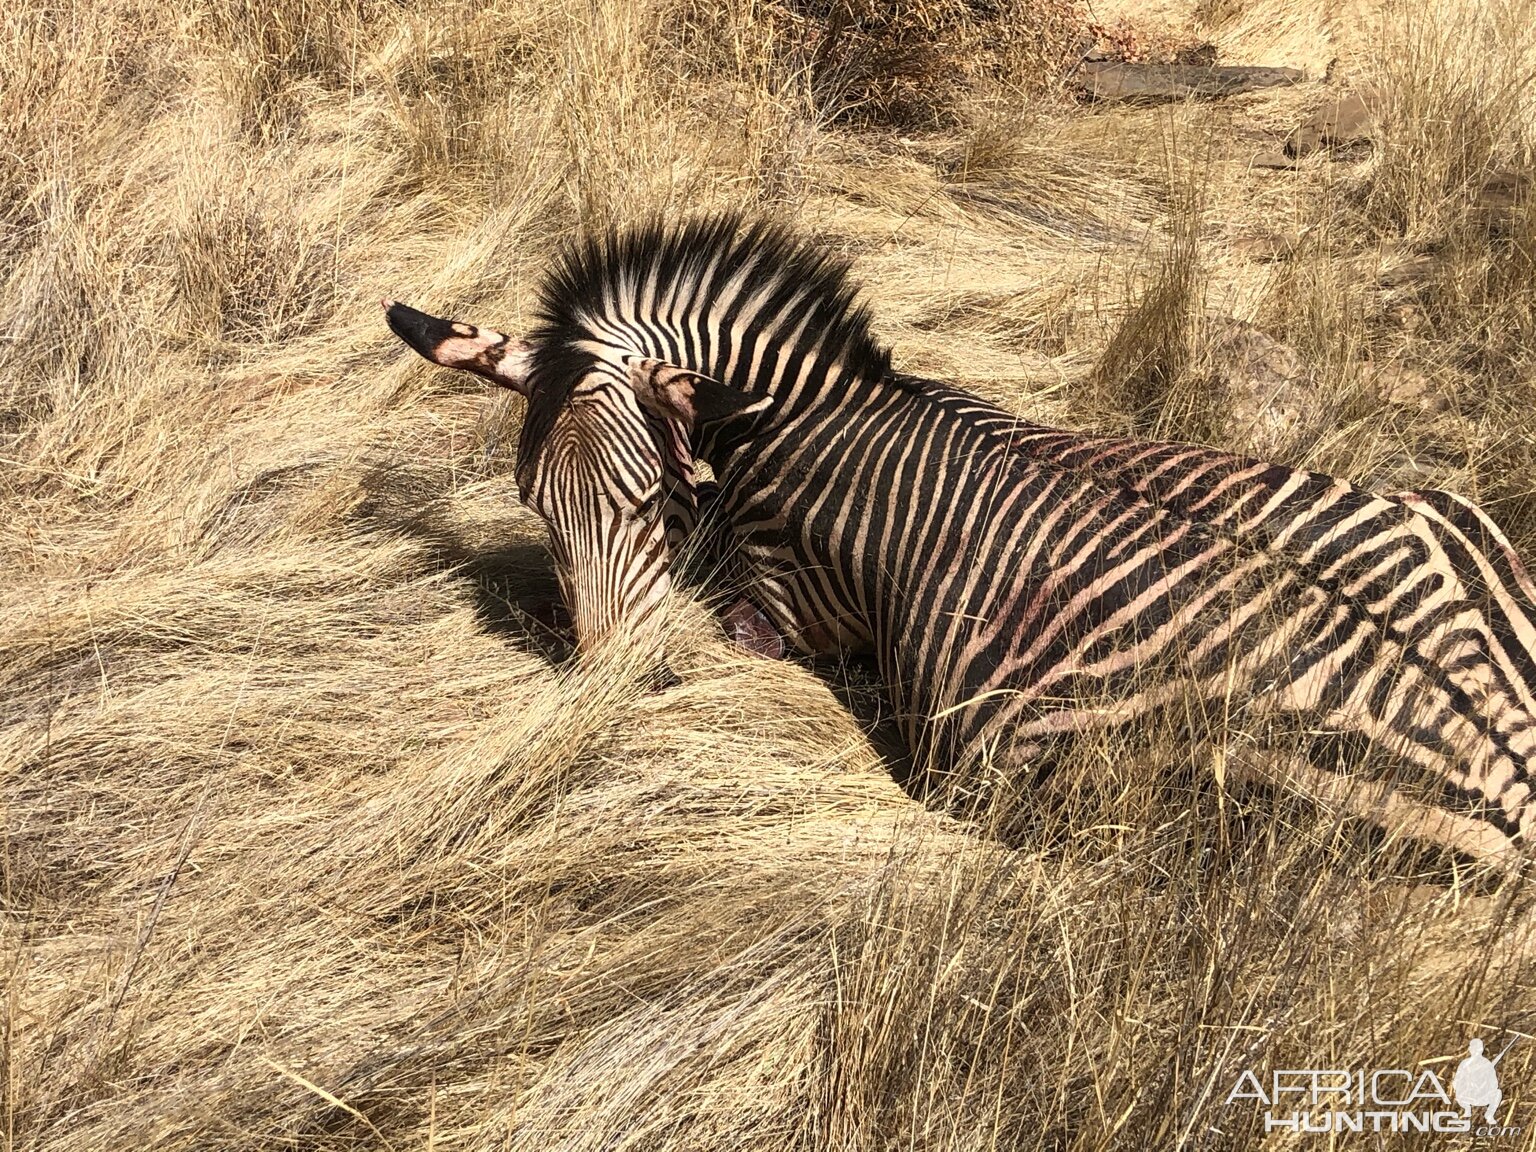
<point x="1317" y="1100"/>
<point x="1477" y="1080"/>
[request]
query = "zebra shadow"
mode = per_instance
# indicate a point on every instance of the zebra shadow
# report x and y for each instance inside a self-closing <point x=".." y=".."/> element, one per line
<point x="856" y="683"/>
<point x="509" y="577"/>
<point x="505" y="570"/>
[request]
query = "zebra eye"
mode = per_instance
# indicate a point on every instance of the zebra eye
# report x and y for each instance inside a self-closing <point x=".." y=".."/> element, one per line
<point x="647" y="505"/>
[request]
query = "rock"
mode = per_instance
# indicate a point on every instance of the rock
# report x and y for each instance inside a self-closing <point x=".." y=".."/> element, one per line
<point x="1263" y="387"/>
<point x="1404" y="386"/>
<point x="1158" y="82"/>
<point x="1503" y="194"/>
<point x="1504" y="190"/>
<point x="1405" y="271"/>
<point x="1203" y="53"/>
<point x="1267" y="247"/>
<point x="1094" y="49"/>
<point x="1339" y="124"/>
<point x="1406" y="314"/>
<point x="1273" y="160"/>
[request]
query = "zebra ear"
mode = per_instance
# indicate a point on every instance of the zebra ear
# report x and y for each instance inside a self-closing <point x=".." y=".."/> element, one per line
<point x="500" y="359"/>
<point x="689" y="397"/>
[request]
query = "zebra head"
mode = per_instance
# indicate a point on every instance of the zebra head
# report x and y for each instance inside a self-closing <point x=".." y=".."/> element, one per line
<point x="604" y="450"/>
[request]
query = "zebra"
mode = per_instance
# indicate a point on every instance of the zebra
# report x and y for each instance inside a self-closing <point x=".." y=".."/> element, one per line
<point x="1019" y="587"/>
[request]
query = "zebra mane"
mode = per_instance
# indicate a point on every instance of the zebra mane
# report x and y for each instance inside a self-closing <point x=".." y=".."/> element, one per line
<point x="622" y="276"/>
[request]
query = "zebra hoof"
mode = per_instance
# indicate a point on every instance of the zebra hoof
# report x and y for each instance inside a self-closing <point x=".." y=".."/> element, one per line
<point x="749" y="628"/>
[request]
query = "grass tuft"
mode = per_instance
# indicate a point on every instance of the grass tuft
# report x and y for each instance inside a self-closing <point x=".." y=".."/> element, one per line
<point x="307" y="838"/>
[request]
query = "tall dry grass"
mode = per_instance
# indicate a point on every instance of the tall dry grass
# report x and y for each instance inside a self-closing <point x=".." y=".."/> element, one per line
<point x="307" y="841"/>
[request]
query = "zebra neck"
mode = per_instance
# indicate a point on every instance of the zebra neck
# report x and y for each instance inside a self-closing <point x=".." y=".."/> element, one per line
<point x="836" y="511"/>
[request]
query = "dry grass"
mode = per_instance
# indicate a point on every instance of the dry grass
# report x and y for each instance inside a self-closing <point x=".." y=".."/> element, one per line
<point x="307" y="842"/>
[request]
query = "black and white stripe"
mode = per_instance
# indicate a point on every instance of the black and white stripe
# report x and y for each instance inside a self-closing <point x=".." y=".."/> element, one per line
<point x="596" y="481"/>
<point x="1022" y="586"/>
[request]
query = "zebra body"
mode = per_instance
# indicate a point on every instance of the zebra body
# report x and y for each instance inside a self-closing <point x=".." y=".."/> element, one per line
<point x="1021" y="587"/>
<point x="1045" y="585"/>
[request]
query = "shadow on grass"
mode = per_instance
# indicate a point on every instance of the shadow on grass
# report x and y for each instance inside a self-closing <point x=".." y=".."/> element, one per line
<point x="856" y="683"/>
<point x="511" y="583"/>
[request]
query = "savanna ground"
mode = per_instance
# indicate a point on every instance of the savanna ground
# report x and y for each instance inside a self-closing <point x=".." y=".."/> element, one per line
<point x="309" y="843"/>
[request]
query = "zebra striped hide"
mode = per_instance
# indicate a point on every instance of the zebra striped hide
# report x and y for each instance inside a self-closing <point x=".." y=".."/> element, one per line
<point x="1020" y="587"/>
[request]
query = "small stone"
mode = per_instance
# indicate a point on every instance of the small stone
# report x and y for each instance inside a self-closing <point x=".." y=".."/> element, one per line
<point x="1349" y="120"/>
<point x="1503" y="193"/>
<point x="1403" y="386"/>
<point x="1504" y="189"/>
<point x="1266" y="247"/>
<point x="1273" y="160"/>
<point x="1266" y="388"/>
<point x="1407" y="315"/>
<point x="1094" y="49"/>
<point x="1405" y="271"/>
